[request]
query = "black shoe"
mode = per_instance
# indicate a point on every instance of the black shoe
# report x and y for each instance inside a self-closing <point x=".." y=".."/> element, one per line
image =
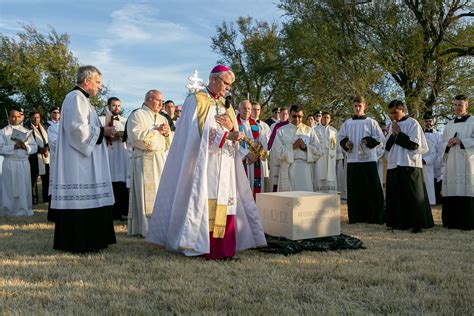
<point x="416" y="230"/>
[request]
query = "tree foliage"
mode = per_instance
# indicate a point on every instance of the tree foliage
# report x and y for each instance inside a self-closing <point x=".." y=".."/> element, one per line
<point x="419" y="51"/>
<point x="328" y="50"/>
<point x="37" y="70"/>
<point x="252" y="50"/>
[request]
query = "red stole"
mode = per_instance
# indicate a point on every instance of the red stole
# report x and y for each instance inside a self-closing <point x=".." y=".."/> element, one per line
<point x="257" y="181"/>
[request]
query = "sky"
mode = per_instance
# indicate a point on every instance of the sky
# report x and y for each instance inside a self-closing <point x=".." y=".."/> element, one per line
<point x="138" y="45"/>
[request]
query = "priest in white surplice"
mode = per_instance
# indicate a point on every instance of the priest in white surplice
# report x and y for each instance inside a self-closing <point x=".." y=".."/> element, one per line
<point x="457" y="150"/>
<point x="16" y="180"/>
<point x="325" y="178"/>
<point x="81" y="187"/>
<point x="150" y="137"/>
<point x="205" y="206"/>
<point x="296" y="148"/>
<point x="253" y="164"/>
<point x="118" y="156"/>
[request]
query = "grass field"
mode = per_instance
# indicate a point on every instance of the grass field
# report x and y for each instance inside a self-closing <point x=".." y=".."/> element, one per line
<point x="399" y="272"/>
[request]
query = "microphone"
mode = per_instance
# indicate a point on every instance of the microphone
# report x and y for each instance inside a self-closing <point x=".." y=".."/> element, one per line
<point x="228" y="100"/>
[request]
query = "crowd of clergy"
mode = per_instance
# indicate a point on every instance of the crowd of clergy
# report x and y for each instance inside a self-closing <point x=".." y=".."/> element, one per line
<point x="389" y="173"/>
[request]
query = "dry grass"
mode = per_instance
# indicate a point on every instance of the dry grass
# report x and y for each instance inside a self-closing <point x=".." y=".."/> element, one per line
<point x="399" y="272"/>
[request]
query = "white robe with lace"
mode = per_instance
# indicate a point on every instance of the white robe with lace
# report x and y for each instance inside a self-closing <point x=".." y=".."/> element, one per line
<point x="180" y="219"/>
<point x="81" y="177"/>
<point x="296" y="165"/>
<point x="15" y="182"/>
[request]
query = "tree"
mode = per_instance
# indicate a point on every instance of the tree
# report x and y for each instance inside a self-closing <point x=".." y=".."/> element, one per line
<point x="420" y="51"/>
<point x="253" y="53"/>
<point x="37" y="70"/>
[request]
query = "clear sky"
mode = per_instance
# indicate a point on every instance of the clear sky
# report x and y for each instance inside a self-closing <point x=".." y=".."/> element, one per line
<point x="138" y="45"/>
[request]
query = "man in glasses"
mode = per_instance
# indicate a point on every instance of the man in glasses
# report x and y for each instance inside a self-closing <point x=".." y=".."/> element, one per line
<point x="150" y="136"/>
<point x="275" y="117"/>
<point x="296" y="148"/>
<point x="205" y="206"/>
<point x="54" y="115"/>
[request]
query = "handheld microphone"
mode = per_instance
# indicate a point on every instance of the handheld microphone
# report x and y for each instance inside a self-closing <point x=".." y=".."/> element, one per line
<point x="228" y="100"/>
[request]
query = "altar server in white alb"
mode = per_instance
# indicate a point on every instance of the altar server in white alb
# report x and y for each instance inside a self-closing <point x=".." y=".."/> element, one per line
<point x="118" y="156"/>
<point x="458" y="153"/>
<point x="82" y="196"/>
<point x="52" y="131"/>
<point x="325" y="178"/>
<point x="205" y="206"/>
<point x="296" y="148"/>
<point x="16" y="143"/>
<point x="359" y="137"/>
<point x="430" y="158"/>
<point x="150" y="137"/>
<point x="407" y="200"/>
<point x="253" y="164"/>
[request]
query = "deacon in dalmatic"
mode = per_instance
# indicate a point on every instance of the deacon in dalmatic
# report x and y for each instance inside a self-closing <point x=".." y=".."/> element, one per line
<point x="81" y="188"/>
<point x="457" y="150"/>
<point x="325" y="178"/>
<point x="16" y="143"/>
<point x="254" y="165"/>
<point x="407" y="200"/>
<point x="205" y="206"/>
<point x="118" y="156"/>
<point x="359" y="137"/>
<point x="150" y="137"/>
<point x="296" y="148"/>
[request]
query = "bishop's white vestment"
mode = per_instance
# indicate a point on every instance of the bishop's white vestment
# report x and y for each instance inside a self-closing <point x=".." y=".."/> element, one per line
<point x="205" y="184"/>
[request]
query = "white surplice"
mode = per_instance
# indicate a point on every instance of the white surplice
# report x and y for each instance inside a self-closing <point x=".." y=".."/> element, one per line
<point x="324" y="177"/>
<point x="81" y="176"/>
<point x="16" y="197"/>
<point x="150" y="150"/>
<point x="117" y="151"/>
<point x="296" y="165"/>
<point x="399" y="156"/>
<point x="357" y="129"/>
<point x="202" y="170"/>
<point x="52" y="143"/>
<point x="430" y="158"/>
<point x="41" y="137"/>
<point x="458" y="179"/>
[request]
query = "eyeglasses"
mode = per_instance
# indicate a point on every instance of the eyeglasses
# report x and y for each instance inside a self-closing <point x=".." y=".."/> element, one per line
<point x="55" y="112"/>
<point x="225" y="82"/>
<point x="297" y="116"/>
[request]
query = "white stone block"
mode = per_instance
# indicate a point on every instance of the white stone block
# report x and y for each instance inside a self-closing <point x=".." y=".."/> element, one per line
<point x="299" y="214"/>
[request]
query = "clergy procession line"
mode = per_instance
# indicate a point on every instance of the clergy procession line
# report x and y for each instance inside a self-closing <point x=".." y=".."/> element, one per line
<point x="187" y="177"/>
